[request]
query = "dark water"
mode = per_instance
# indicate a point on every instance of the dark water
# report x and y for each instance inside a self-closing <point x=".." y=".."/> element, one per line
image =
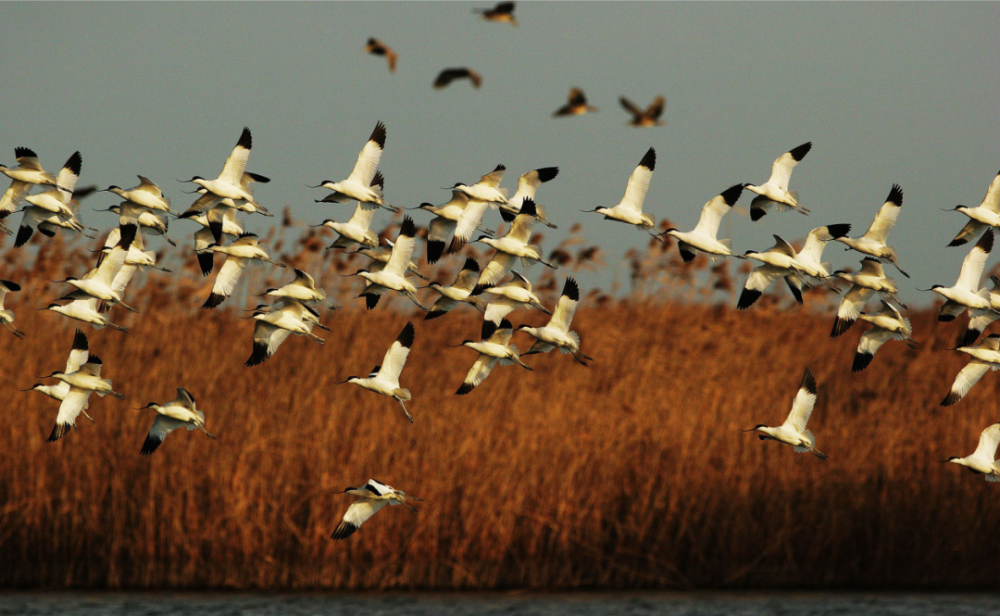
<point x="570" y="604"/>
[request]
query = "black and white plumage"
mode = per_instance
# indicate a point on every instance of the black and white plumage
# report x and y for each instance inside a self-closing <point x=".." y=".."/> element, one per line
<point x="556" y="333"/>
<point x="511" y="247"/>
<point x="966" y="292"/>
<point x="449" y="75"/>
<point x="459" y="291"/>
<point x="495" y="348"/>
<point x="645" y="117"/>
<point x="274" y="324"/>
<point x="78" y="355"/>
<point x="373" y="496"/>
<point x="509" y="296"/>
<point x="245" y="249"/>
<point x="360" y="185"/>
<point x="83" y="381"/>
<point x="778" y="262"/>
<point x="6" y="315"/>
<point x="704" y="236"/>
<point x="985" y="358"/>
<point x="454" y="224"/>
<point x="527" y="186"/>
<point x="629" y="209"/>
<point x="181" y="412"/>
<point x="384" y="379"/>
<point x="873" y="242"/>
<point x="793" y="431"/>
<point x="864" y="284"/>
<point x="887" y="324"/>
<point x="393" y="275"/>
<point x="775" y="190"/>
<point x="230" y="183"/>
<point x="982" y="217"/>
<point x="983" y="460"/>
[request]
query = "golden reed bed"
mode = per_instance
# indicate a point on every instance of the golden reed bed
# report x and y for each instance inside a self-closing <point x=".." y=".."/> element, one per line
<point x="630" y="474"/>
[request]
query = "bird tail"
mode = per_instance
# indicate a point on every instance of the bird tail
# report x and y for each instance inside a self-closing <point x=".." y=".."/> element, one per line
<point x="402" y="394"/>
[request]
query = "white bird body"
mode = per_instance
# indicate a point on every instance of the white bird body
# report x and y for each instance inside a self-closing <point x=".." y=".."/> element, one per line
<point x="527" y="186"/>
<point x="985" y="358"/>
<point x="245" y="249"/>
<point x="487" y="189"/>
<point x="889" y="324"/>
<point x="374" y="495"/>
<point x="809" y="260"/>
<point x="7" y="316"/>
<point x="793" y="431"/>
<point x="966" y="291"/>
<point x="778" y="261"/>
<point x="384" y="379"/>
<point x="98" y="282"/>
<point x="358" y="186"/>
<point x="57" y="200"/>
<point x="88" y="377"/>
<point x="178" y="413"/>
<point x="454" y="222"/>
<point x="775" y="190"/>
<point x="357" y="230"/>
<point x="704" y="236"/>
<point x="459" y="292"/>
<point x="276" y="323"/>
<point x="513" y="245"/>
<point x="495" y="348"/>
<point x="303" y="289"/>
<point x="983" y="460"/>
<point x="507" y="297"/>
<point x="229" y="184"/>
<point x="629" y="209"/>
<point x="84" y="309"/>
<point x="986" y="214"/>
<point x="864" y="284"/>
<point x="393" y="275"/>
<point x="46" y="222"/>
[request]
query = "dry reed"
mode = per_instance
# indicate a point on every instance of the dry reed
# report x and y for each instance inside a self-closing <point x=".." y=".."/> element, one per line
<point x="630" y="474"/>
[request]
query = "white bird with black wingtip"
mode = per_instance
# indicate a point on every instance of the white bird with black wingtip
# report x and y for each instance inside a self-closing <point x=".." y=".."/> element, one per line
<point x="509" y="296"/>
<point x="82" y="382"/>
<point x="359" y="185"/>
<point x="887" y="324"/>
<point x="274" y="324"/>
<point x="793" y="432"/>
<point x="873" y="242"/>
<point x="392" y="277"/>
<point x="556" y="333"/>
<point x="629" y="209"/>
<point x="458" y="293"/>
<point x="983" y="216"/>
<point x="7" y="316"/>
<point x="453" y="224"/>
<point x="527" y="185"/>
<point x="864" y="284"/>
<point x="512" y="246"/>
<point x="775" y="190"/>
<point x="181" y="412"/>
<point x="373" y="496"/>
<point x="966" y="292"/>
<point x="985" y="358"/>
<point x="778" y="262"/>
<point x="78" y="356"/>
<point x="229" y="184"/>
<point x="384" y="379"/>
<point x="487" y="188"/>
<point x="495" y="348"/>
<point x="243" y="250"/>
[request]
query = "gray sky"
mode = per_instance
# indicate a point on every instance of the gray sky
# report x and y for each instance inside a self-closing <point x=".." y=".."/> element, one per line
<point x="887" y="93"/>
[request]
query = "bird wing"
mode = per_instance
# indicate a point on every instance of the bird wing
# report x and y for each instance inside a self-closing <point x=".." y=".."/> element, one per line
<point x="236" y="164"/>
<point x="78" y="354"/>
<point x="496" y="269"/>
<point x="472" y="215"/>
<point x="369" y="158"/>
<point x="162" y="426"/>
<point x="204" y="203"/>
<point x="520" y="281"/>
<point x="498" y="308"/>
<point x="763" y="276"/>
<point x="967" y="377"/>
<point x="502" y="333"/>
<point x="630" y="106"/>
<point x="975" y="262"/>
<point x="185" y="399"/>
<point x="782" y="247"/>
<point x="477" y="374"/>
<point x="493" y="178"/>
<point x="13" y="197"/>
<point x="111" y="264"/>
<point x="520" y="229"/>
<point x="874" y="338"/>
<point x="969" y="231"/>
<point x="711" y="216"/>
<point x="576" y="97"/>
<point x="562" y="316"/>
<point x="638" y="182"/>
<point x="70" y="408"/>
<point x="467" y="278"/>
<point x="27" y="159"/>
<point x="362" y="216"/>
<point x="988" y="442"/>
<point x="992" y="199"/>
<point x="853" y="303"/>
<point x="805" y="400"/>
<point x="440" y="229"/>
<point x="68" y="175"/>
<point x="266" y="340"/>
<point x="357" y="514"/>
<point x="395" y="357"/>
<point x="229" y="275"/>
<point x="402" y="252"/>
<point x="871" y="267"/>
<point x="303" y="279"/>
<point x="781" y="170"/>
<point x="887" y="216"/>
<point x="655" y="108"/>
<point x="149" y="186"/>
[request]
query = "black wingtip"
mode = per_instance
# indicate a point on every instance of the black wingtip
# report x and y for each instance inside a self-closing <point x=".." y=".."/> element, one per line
<point x="433" y="314"/>
<point x="499" y="168"/>
<point x="434" y="251"/>
<point x="732" y="194"/>
<point x="405" y="337"/>
<point x="149" y="446"/>
<point x="378" y="180"/>
<point x="861" y="361"/>
<point x="13" y="286"/>
<point x="507" y="215"/>
<point x="528" y="208"/>
<point x="257" y="355"/>
<point x="371" y="301"/>
<point x="343" y="531"/>
<point x="408" y="229"/>
<point x="547" y="173"/>
<point x="756" y="213"/>
<point x="971" y="335"/>
<point x="985" y="243"/>
<point x="808" y="382"/>
<point x="798" y="153"/>
<point x="840" y="326"/>
<point x="206" y="261"/>
<point x="213" y="301"/>
<point x="256" y="177"/>
<point x="489" y="328"/>
<point x="127" y="235"/>
<point x="246" y="140"/>
<point x="505" y="324"/>
<point x="80" y="341"/>
<point x="95" y="359"/>
<point x="649" y="160"/>
<point x="839" y="230"/>
<point x="74" y="163"/>
<point x="471" y="265"/>
<point x="378" y="135"/>
<point x="895" y="196"/>
<point x="687" y="256"/>
<point x="950" y="399"/>
<point x="571" y="290"/>
<point x="946" y="318"/>
<point x="464" y="388"/>
<point x="215" y="227"/>
<point x="747" y="298"/>
<point x="21" y="152"/>
<point x="23" y="235"/>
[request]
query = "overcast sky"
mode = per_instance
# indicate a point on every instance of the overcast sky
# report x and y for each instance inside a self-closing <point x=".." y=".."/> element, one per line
<point x="897" y="92"/>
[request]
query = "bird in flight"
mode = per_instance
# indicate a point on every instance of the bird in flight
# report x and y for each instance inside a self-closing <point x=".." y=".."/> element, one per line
<point x="378" y="48"/>
<point x="649" y="117"/>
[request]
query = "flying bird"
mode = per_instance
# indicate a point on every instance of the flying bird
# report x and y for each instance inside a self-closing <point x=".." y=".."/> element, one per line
<point x="229" y="184"/>
<point x="887" y="324"/>
<point x="510" y="296"/>
<point x="392" y="277"/>
<point x="378" y="48"/>
<point x="454" y="223"/>
<point x="372" y="496"/>
<point x="7" y="316"/>
<point x="576" y="104"/>
<point x="775" y="190"/>
<point x="495" y="348"/>
<point x="384" y="379"/>
<point x="180" y="412"/>
<point x="966" y="292"/>
<point x="28" y="169"/>
<point x="360" y="185"/>
<point x="449" y="75"/>
<point x="983" y="459"/>
<point x="629" y="209"/>
<point x="511" y="247"/>
<point x="274" y="324"/>
<point x="986" y="214"/>
<point x="245" y="249"/>
<point x="458" y="293"/>
<point x="82" y="382"/>
<point x="487" y="188"/>
<point x="873" y="242"/>
<point x="147" y="194"/>
<point x="778" y="262"/>
<point x="302" y="289"/>
<point x="703" y="236"/>
<point x="556" y="333"/>
<point x="864" y="284"/>
<point x="648" y="117"/>
<point x="502" y="13"/>
<point x="985" y="357"/>
<point x="527" y="185"/>
<point x="78" y="356"/>
<point x="793" y="432"/>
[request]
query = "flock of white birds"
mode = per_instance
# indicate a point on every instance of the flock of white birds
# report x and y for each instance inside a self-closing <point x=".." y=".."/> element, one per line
<point x="144" y="209"/>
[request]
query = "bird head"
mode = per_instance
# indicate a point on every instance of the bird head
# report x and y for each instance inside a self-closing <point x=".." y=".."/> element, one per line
<point x="34" y="387"/>
<point x="151" y="405"/>
<point x="350" y="379"/>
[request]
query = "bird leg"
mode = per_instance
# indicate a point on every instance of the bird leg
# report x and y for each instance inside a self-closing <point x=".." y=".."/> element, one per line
<point x="408" y="416"/>
<point x="202" y="428"/>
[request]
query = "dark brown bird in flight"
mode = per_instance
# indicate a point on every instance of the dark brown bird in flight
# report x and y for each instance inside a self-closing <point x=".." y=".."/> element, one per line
<point x="649" y="117"/>
<point x="501" y="13"/>
<point x="576" y="104"/>
<point x="449" y="75"/>
<point x="378" y="48"/>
